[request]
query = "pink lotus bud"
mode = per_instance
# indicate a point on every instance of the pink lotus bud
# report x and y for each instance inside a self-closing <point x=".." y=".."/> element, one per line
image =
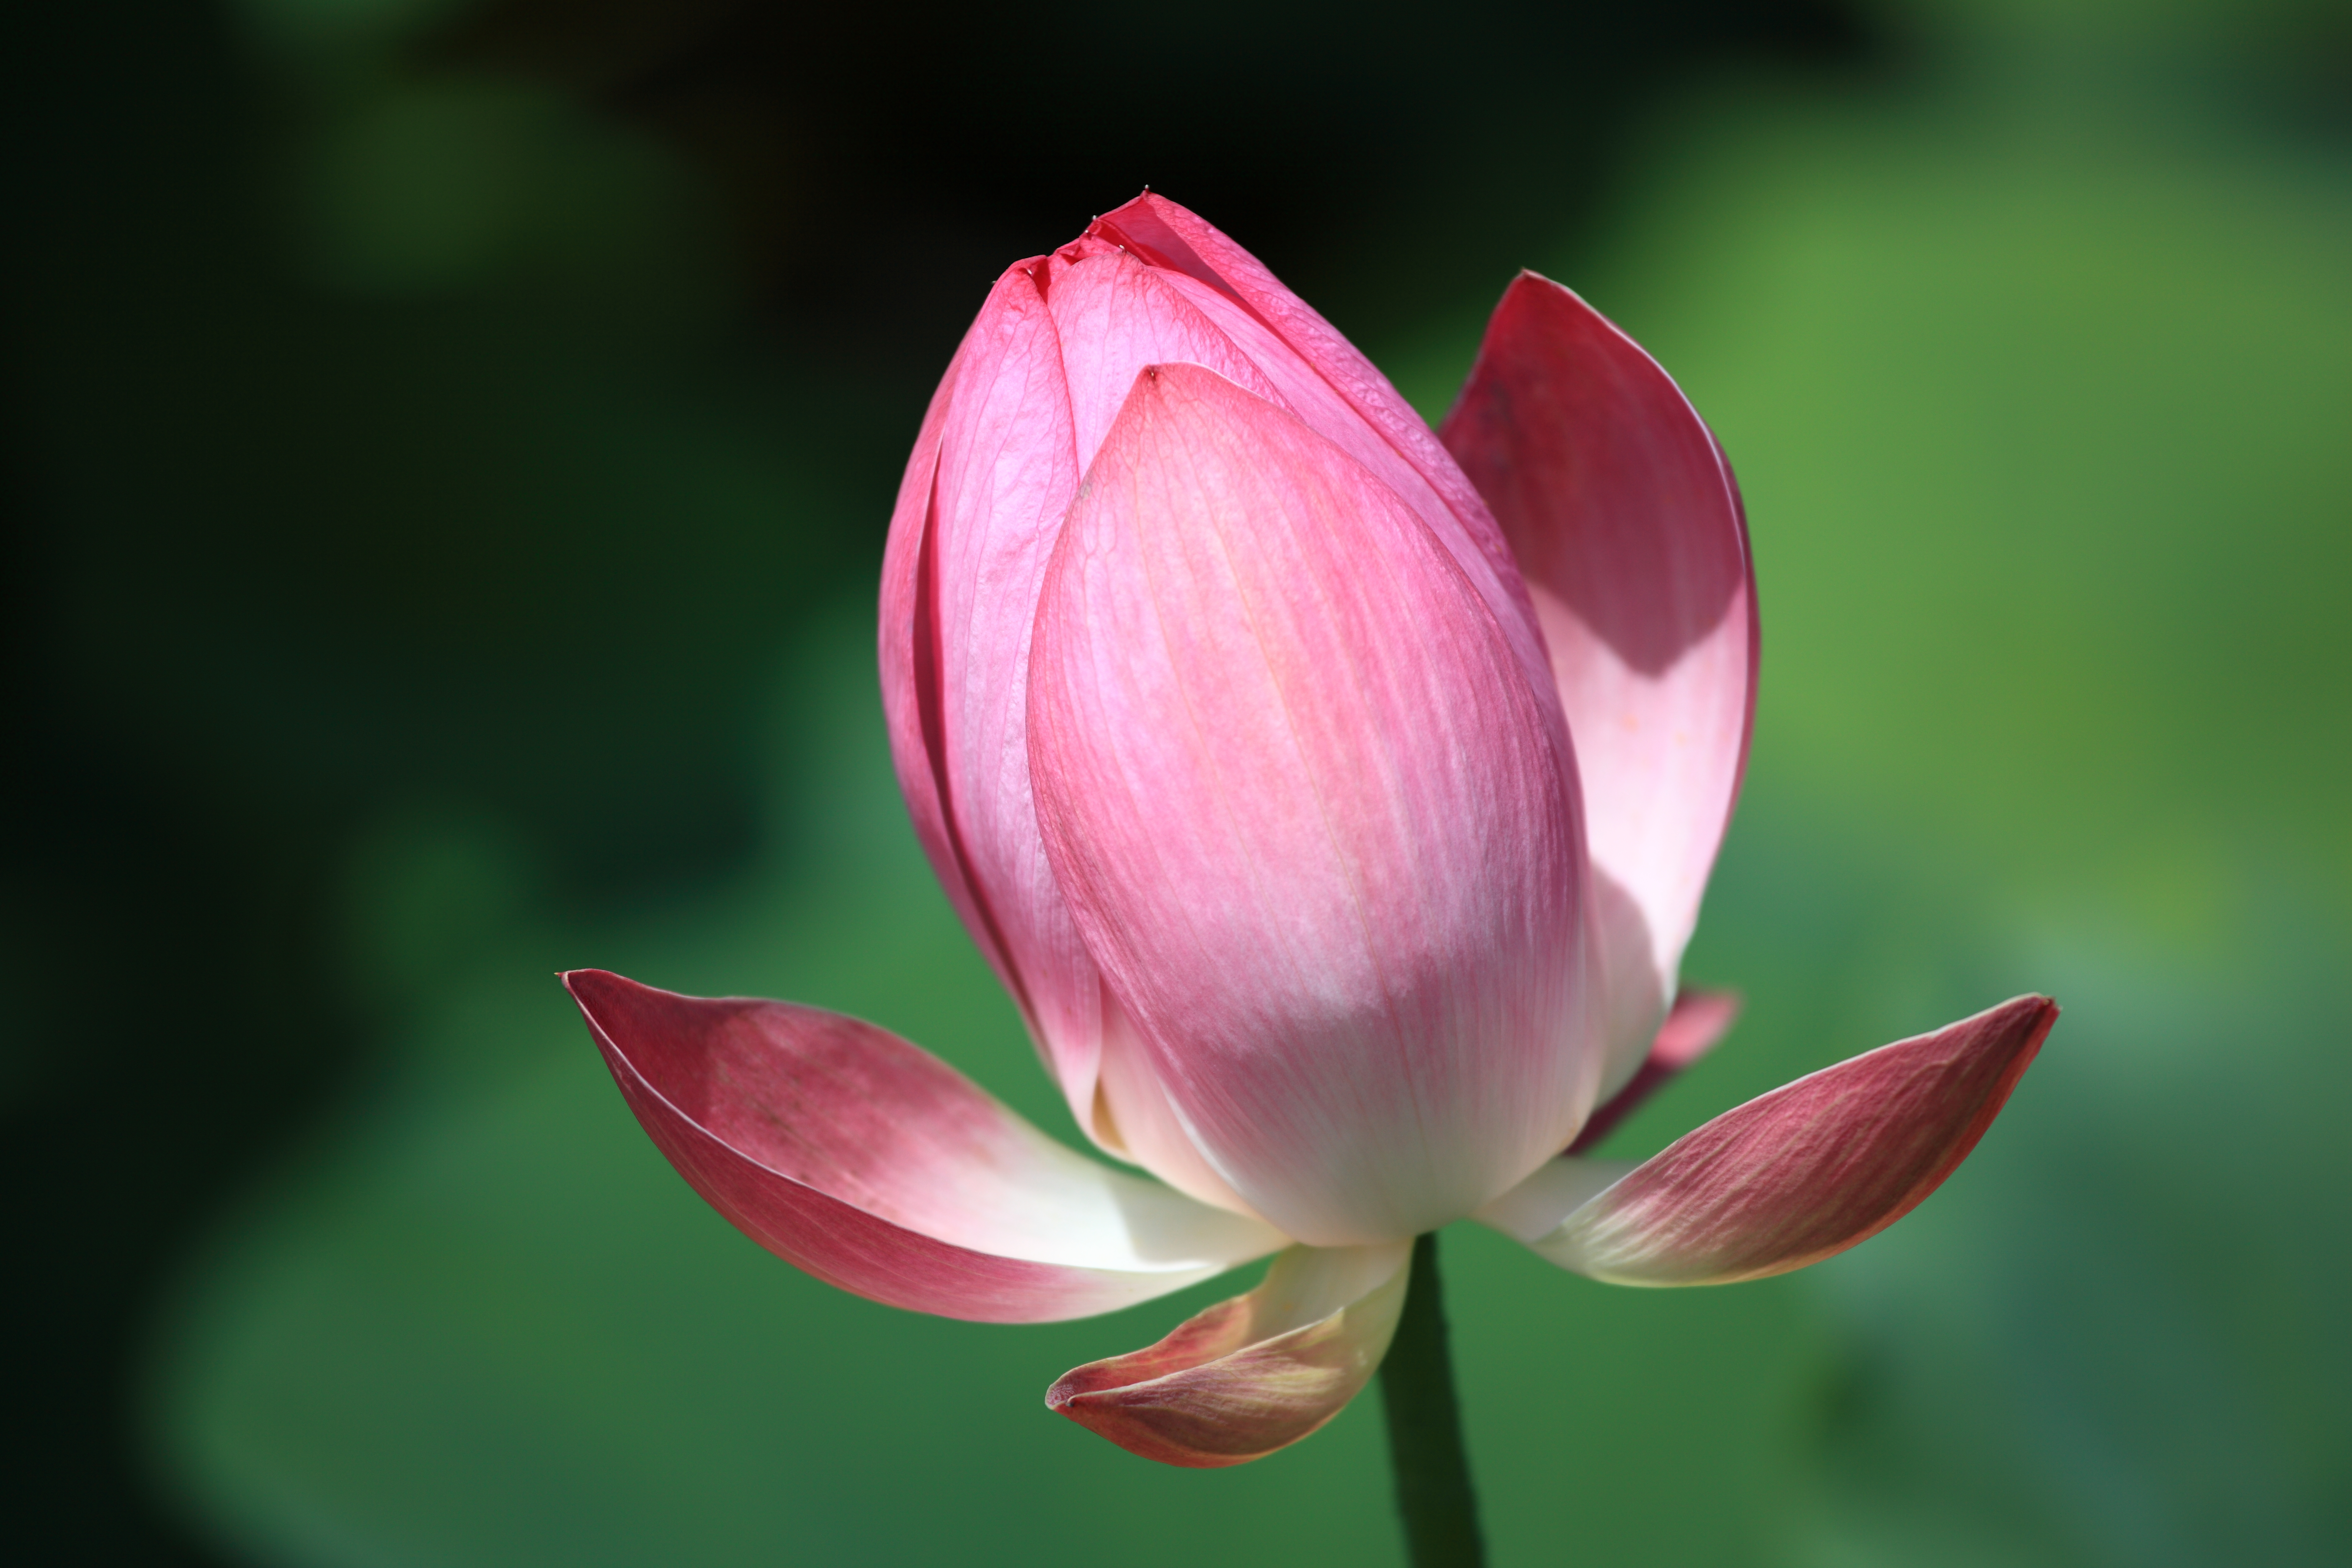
<point x="1226" y="718"/>
<point x="1237" y="727"/>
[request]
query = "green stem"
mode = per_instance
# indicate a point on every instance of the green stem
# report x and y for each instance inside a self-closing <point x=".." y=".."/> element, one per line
<point x="1432" y="1472"/>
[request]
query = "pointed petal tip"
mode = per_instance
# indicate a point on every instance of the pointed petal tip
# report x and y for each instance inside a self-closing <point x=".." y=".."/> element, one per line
<point x="1808" y="1171"/>
<point x="600" y="991"/>
<point x="1528" y="279"/>
<point x="585" y="982"/>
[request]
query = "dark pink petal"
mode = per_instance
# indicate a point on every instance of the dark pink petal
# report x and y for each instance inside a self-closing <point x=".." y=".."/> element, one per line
<point x="1254" y="1373"/>
<point x="1698" y="1020"/>
<point x="1625" y="521"/>
<point x="1793" y="1177"/>
<point x="878" y="1168"/>
<point x="977" y="514"/>
<point x="1308" y="817"/>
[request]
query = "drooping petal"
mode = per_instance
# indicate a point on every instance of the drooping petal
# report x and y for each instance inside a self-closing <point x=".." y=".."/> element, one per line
<point x="1626" y="522"/>
<point x="1793" y="1177"/>
<point x="1254" y="1373"/>
<point x="876" y="1167"/>
<point x="1319" y="375"/>
<point x="1305" y="810"/>
<point x="1697" y="1020"/>
<point x="976" y="518"/>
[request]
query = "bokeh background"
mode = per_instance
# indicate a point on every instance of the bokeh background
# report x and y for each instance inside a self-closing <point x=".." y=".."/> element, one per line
<point x="450" y="443"/>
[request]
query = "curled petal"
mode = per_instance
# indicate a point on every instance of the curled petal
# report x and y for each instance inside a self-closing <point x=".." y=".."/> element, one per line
<point x="1793" y="1177"/>
<point x="1624" y="517"/>
<point x="909" y="665"/>
<point x="1251" y="1374"/>
<point x="876" y="1167"/>
<point x="977" y="517"/>
<point x="1305" y="812"/>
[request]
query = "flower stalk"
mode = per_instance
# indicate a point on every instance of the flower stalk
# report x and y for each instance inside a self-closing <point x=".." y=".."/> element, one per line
<point x="1435" y="1498"/>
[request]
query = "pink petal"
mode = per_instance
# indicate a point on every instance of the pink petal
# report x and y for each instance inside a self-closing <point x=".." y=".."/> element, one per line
<point x="1306" y="813"/>
<point x="1625" y="520"/>
<point x="1030" y="397"/>
<point x="1793" y="1177"/>
<point x="1114" y="315"/>
<point x="976" y="518"/>
<point x="1335" y="391"/>
<point x="910" y="674"/>
<point x="1254" y="1373"/>
<point x="1135" y="1119"/>
<point x="876" y="1167"/>
<point x="1698" y="1020"/>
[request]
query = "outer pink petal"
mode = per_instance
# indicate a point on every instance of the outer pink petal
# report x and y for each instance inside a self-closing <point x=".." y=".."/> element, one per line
<point x="1305" y="812"/>
<point x="976" y="518"/>
<point x="1793" y="1176"/>
<point x="1319" y="375"/>
<point x="1624" y="519"/>
<point x="1254" y="1373"/>
<point x="876" y="1167"/>
<point x="1114" y="313"/>
<point x="1116" y="310"/>
<point x="909" y="665"/>
<point x="1135" y="1119"/>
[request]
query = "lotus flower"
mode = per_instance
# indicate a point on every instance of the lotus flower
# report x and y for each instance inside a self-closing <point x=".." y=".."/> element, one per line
<point x="1335" y="799"/>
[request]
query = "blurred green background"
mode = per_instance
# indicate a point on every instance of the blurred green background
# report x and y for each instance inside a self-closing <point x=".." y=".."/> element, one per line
<point x="450" y="446"/>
